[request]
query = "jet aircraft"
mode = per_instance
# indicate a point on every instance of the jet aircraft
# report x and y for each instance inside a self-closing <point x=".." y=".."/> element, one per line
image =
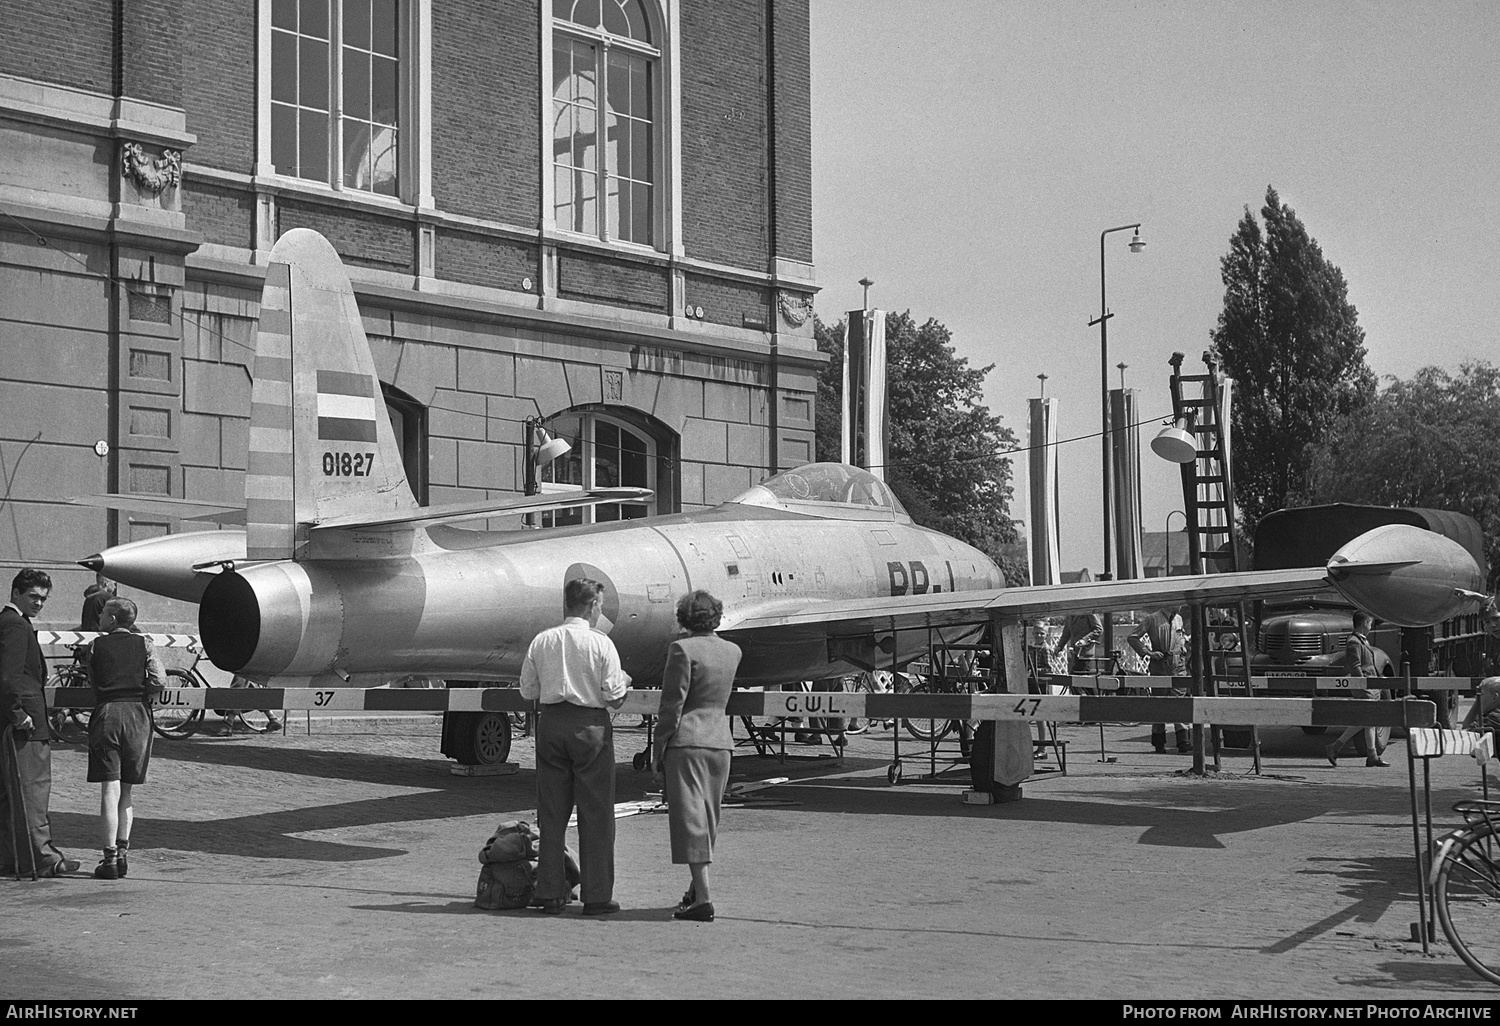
<point x="339" y="577"/>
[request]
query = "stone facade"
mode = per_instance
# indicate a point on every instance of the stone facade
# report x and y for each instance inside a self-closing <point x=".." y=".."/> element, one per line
<point x="139" y="200"/>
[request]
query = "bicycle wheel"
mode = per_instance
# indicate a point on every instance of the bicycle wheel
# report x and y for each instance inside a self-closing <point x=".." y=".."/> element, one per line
<point x="59" y="719"/>
<point x="1468" y="900"/>
<point x="172" y="720"/>
<point x="924" y="729"/>
<point x="859" y="684"/>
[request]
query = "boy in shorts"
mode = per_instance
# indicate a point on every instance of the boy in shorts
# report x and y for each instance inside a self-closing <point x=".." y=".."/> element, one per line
<point x="125" y="673"/>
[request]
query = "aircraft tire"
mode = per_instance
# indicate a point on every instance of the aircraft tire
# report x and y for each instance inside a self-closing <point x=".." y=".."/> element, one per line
<point x="481" y="739"/>
<point x="639" y="761"/>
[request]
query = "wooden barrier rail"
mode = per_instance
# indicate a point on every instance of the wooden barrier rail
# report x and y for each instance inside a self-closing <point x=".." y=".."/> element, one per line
<point x="1291" y="712"/>
<point x="1117" y="682"/>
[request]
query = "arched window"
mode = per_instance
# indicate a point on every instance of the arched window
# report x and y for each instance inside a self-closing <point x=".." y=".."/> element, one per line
<point x="606" y="125"/>
<point x="606" y="453"/>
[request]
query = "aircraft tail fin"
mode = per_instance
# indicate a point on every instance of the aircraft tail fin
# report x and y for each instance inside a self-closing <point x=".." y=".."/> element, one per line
<point x="321" y="445"/>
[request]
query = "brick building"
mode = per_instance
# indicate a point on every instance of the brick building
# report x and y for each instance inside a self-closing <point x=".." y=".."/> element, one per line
<point x="592" y="212"/>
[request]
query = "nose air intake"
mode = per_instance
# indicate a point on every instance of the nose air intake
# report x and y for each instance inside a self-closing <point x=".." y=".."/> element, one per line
<point x="229" y="620"/>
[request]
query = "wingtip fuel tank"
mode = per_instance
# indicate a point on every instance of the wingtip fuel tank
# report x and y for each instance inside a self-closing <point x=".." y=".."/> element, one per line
<point x="1406" y="576"/>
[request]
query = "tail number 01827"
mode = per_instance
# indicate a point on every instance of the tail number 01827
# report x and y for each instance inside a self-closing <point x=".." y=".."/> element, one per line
<point x="348" y="464"/>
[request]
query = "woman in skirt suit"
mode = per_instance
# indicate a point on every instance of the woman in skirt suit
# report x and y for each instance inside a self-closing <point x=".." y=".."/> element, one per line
<point x="693" y="742"/>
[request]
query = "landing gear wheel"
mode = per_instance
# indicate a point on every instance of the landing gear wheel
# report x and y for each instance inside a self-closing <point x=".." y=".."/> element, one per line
<point x="893" y="775"/>
<point x="639" y="762"/>
<point x="480" y="739"/>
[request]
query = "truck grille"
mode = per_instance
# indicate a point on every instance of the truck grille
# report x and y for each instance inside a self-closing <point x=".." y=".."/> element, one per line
<point x="1283" y="646"/>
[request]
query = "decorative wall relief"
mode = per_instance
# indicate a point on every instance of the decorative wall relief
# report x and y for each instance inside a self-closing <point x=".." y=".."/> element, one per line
<point x="796" y="307"/>
<point x="153" y="176"/>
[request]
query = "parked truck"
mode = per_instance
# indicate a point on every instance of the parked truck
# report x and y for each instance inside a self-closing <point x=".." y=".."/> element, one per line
<point x="1307" y="637"/>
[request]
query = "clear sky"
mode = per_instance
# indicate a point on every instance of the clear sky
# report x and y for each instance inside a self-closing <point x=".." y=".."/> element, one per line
<point x="967" y="154"/>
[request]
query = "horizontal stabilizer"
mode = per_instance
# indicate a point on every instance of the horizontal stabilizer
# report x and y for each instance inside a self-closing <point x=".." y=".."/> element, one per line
<point x="453" y="512"/>
<point x="162" y="506"/>
<point x="1341" y="568"/>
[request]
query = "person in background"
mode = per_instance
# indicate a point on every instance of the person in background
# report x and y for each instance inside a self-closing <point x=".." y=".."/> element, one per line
<point x="1160" y="639"/>
<point x="25" y="744"/>
<point x="573" y="672"/>
<point x="94" y="597"/>
<point x="125" y="673"/>
<point x="1359" y="660"/>
<point x="694" y="744"/>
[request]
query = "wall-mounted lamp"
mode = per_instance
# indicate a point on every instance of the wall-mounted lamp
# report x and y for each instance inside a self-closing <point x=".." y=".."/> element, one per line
<point x="541" y="449"/>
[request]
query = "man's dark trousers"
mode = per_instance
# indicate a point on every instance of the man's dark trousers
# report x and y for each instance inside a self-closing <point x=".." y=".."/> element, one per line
<point x="575" y="764"/>
<point x="26" y="767"/>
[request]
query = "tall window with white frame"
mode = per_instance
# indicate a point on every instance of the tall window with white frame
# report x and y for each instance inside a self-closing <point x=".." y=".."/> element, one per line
<point x="336" y="88"/>
<point x="605" y="453"/>
<point x="609" y="42"/>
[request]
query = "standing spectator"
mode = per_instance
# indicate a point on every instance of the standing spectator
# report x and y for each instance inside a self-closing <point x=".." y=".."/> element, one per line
<point x="94" y="597"/>
<point x="1160" y="640"/>
<point x="694" y="743"/>
<point x="1080" y="637"/>
<point x="25" y="744"/>
<point x="125" y="673"/>
<point x="573" y="672"/>
<point x="1359" y="660"/>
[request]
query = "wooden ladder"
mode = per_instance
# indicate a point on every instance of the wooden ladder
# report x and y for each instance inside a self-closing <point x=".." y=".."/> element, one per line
<point x="1200" y="403"/>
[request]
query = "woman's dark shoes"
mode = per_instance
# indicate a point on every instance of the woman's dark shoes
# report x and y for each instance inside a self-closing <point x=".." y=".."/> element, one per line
<point x="1376" y="761"/>
<point x="601" y="908"/>
<point x="703" y="913"/>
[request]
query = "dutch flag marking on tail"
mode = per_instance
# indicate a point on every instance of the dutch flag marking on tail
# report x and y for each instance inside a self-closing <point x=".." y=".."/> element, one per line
<point x="346" y="407"/>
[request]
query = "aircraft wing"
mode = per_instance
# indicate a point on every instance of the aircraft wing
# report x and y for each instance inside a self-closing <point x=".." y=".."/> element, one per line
<point x="862" y="616"/>
<point x="456" y="511"/>
<point x="228" y="512"/>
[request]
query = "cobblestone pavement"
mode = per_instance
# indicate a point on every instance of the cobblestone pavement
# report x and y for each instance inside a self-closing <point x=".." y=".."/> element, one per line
<point x="341" y="863"/>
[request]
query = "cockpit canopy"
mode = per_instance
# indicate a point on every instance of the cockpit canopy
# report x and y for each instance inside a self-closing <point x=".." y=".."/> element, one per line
<point x="829" y="490"/>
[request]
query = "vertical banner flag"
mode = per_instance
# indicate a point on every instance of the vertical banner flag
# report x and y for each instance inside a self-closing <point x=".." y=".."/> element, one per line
<point x="1042" y="479"/>
<point x="864" y="436"/>
<point x="1125" y="446"/>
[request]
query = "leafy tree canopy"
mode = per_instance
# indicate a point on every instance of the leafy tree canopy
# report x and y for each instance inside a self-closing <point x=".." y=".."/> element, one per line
<point x="1433" y="441"/>
<point x="943" y="439"/>
<point x="1291" y="339"/>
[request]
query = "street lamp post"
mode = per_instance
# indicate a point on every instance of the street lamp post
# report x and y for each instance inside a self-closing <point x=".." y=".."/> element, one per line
<point x="1168" y="539"/>
<point x="1136" y="245"/>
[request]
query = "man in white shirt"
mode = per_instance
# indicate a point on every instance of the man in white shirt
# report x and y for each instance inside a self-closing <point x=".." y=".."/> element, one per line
<point x="573" y="672"/>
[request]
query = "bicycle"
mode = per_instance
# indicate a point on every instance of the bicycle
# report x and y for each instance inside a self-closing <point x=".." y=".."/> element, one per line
<point x="168" y="720"/>
<point x="1466" y="884"/>
<point x="60" y="717"/>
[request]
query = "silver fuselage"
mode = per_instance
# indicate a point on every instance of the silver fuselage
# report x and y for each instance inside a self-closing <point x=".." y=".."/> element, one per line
<point x="465" y="604"/>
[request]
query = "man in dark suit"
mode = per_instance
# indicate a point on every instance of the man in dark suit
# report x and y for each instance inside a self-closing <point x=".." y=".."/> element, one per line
<point x="25" y="744"/>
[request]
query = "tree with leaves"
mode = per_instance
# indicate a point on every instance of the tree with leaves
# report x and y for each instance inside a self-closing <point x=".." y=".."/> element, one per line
<point x="1291" y="340"/>
<point x="943" y="461"/>
<point x="1433" y="442"/>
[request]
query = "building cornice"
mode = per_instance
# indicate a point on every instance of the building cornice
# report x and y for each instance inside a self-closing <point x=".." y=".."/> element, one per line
<point x="123" y="117"/>
<point x="230" y="266"/>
